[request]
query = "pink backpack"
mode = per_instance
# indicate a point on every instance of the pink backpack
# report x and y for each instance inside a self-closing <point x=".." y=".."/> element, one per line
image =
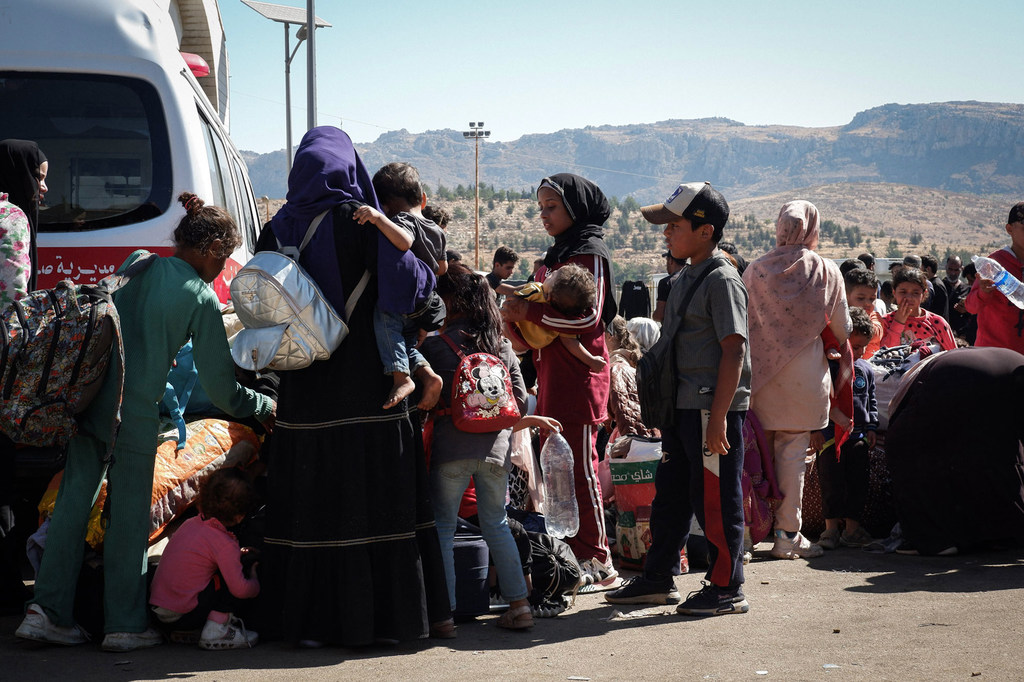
<point x="481" y="400"/>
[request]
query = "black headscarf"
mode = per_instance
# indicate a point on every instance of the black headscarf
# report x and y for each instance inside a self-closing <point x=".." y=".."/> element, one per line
<point x="19" y="177"/>
<point x="589" y="210"/>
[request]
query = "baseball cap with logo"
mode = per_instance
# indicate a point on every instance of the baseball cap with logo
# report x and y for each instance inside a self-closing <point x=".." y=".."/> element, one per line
<point x="697" y="202"/>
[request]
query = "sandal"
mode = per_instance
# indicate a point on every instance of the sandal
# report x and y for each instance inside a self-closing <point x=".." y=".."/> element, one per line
<point x="519" y="618"/>
<point x="444" y="629"/>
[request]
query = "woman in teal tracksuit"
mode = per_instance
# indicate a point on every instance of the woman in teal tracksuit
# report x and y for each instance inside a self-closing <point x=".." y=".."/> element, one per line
<point x="160" y="309"/>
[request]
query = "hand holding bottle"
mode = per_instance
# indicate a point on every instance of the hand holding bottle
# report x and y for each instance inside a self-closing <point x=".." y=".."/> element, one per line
<point x="1007" y="284"/>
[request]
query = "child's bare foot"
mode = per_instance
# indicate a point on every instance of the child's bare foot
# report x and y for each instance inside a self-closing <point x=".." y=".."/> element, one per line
<point x="431" y="384"/>
<point x="595" y="364"/>
<point x="403" y="387"/>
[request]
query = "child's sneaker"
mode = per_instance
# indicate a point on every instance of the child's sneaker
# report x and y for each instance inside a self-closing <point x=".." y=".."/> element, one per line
<point x="598" y="576"/>
<point x="130" y="641"/>
<point x="230" y="635"/>
<point x="829" y="539"/>
<point x="797" y="547"/>
<point x="38" y="627"/>
<point x="550" y="607"/>
<point x="712" y="600"/>
<point x="640" y="590"/>
<point x="858" y="538"/>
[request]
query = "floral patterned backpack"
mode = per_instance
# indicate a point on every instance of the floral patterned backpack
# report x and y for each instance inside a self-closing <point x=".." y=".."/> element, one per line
<point x="481" y="400"/>
<point x="54" y="353"/>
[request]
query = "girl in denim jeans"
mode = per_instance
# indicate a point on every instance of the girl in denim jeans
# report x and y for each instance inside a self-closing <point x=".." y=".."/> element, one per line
<point x="474" y="324"/>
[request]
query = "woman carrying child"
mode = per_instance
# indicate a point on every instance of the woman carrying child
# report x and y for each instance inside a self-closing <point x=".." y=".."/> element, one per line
<point x="201" y="582"/>
<point x="350" y="554"/>
<point x="910" y="323"/>
<point x="473" y="325"/>
<point x="572" y="210"/>
<point x="160" y="309"/>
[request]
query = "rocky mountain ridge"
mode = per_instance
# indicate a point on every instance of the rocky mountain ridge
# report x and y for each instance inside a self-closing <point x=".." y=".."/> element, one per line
<point x="966" y="147"/>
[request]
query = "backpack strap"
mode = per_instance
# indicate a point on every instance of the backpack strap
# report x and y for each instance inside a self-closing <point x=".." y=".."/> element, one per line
<point x="454" y="346"/>
<point x="443" y="411"/>
<point x="350" y="301"/>
<point x="685" y="304"/>
<point x="106" y="287"/>
<point x="294" y="252"/>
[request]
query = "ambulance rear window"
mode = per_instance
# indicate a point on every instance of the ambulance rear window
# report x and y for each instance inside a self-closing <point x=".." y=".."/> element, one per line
<point x="106" y="142"/>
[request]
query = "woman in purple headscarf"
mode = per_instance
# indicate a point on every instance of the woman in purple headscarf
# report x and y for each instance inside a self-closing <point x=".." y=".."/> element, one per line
<point x="351" y="554"/>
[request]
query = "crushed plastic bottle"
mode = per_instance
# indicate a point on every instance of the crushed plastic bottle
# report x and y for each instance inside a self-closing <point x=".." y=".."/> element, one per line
<point x="561" y="515"/>
<point x="1008" y="285"/>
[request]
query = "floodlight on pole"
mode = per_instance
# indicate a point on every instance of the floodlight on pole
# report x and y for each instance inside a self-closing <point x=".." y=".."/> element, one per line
<point x="476" y="132"/>
<point x="300" y="17"/>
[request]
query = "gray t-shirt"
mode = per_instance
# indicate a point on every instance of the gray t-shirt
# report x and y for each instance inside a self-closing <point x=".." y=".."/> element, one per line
<point x="429" y="241"/>
<point x="718" y="309"/>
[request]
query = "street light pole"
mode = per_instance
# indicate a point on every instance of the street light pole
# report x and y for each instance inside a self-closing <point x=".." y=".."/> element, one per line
<point x="476" y="133"/>
<point x="310" y="65"/>
<point x="289" y="55"/>
<point x="305" y="19"/>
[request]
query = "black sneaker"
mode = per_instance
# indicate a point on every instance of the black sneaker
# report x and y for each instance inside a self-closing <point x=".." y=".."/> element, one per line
<point x="640" y="590"/>
<point x="712" y="600"/>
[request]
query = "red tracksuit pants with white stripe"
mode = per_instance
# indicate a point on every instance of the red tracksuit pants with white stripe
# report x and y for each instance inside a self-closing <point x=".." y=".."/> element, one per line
<point x="688" y="482"/>
<point x="591" y="542"/>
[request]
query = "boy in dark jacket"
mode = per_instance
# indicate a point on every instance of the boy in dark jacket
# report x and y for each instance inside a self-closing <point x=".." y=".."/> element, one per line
<point x="844" y="479"/>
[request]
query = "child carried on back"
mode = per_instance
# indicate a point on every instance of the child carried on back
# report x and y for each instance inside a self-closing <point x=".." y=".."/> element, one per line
<point x="571" y="291"/>
<point x="200" y="581"/>
<point x="402" y="199"/>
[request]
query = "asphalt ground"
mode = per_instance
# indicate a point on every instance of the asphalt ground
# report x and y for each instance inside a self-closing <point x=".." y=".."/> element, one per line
<point x="848" y="615"/>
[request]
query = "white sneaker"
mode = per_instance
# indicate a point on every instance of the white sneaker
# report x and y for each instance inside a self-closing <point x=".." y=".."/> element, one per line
<point x="795" y="548"/>
<point x="130" y="641"/>
<point x="230" y="635"/>
<point x="38" y="627"/>
<point x="596" y="573"/>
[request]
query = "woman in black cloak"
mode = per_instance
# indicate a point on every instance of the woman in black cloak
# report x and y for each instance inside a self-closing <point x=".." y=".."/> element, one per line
<point x="956" y="462"/>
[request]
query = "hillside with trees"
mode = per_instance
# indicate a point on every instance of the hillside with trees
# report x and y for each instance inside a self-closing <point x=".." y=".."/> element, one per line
<point x="886" y="220"/>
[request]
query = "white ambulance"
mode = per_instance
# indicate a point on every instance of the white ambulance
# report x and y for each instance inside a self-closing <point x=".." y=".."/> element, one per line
<point x="104" y="89"/>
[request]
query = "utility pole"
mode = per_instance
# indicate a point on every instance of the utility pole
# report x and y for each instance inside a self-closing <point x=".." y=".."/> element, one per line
<point x="476" y="132"/>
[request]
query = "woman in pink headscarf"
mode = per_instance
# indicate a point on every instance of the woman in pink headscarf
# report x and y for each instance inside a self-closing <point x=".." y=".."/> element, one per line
<point x="794" y="294"/>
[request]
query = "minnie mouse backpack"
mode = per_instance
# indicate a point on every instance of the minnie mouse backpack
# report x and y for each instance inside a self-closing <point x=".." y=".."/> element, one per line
<point x="482" y="400"/>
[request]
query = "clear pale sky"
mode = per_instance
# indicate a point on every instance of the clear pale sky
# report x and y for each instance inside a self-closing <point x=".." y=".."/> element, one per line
<point x="536" y="67"/>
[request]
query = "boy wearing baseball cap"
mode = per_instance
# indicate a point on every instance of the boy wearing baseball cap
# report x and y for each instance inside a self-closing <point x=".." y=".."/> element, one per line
<point x="704" y="442"/>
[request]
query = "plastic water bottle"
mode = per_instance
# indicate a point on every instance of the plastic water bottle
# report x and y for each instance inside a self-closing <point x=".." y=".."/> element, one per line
<point x="1007" y="284"/>
<point x="561" y="515"/>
